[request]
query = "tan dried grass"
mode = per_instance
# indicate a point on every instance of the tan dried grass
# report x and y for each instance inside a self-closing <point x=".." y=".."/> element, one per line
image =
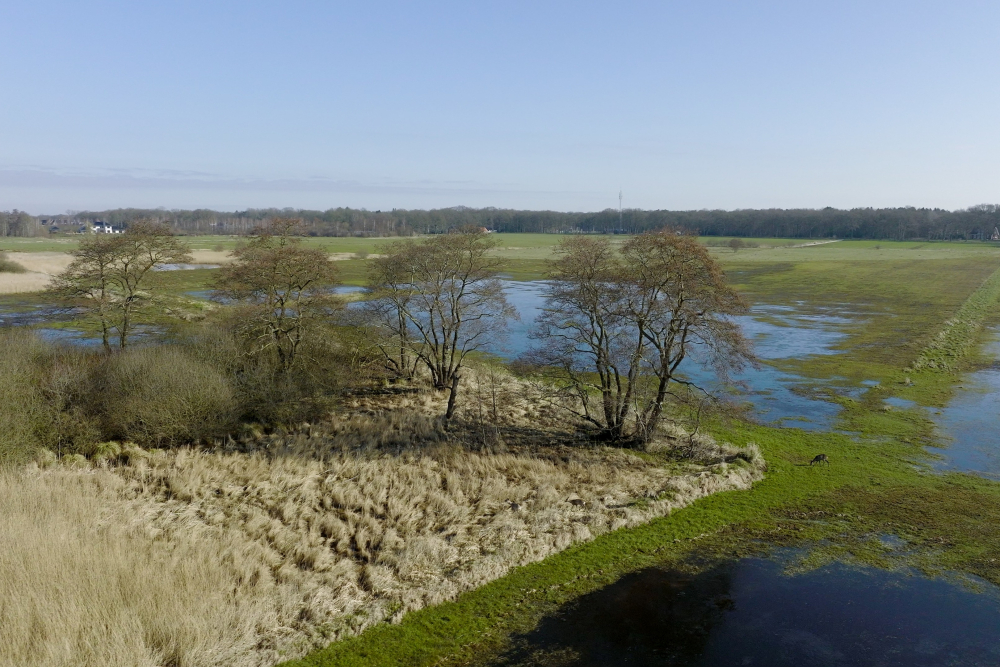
<point x="41" y="266"/>
<point x="47" y="262"/>
<point x="193" y="558"/>
<point x="211" y="256"/>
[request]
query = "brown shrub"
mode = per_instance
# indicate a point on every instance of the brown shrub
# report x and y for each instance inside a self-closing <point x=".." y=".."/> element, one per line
<point x="160" y="395"/>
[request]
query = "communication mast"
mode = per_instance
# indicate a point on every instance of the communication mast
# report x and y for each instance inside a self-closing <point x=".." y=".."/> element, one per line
<point x="619" y="208"/>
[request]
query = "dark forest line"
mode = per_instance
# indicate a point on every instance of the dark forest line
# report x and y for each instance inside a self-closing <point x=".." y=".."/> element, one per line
<point x="974" y="223"/>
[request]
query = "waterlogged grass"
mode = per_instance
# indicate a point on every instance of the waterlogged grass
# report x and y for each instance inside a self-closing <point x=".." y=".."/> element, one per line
<point x="878" y="483"/>
<point x="481" y="621"/>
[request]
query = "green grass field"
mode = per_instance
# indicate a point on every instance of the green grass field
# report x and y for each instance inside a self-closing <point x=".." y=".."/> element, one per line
<point x="897" y="298"/>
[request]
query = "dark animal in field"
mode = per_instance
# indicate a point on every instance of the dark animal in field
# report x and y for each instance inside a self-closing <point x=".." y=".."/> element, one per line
<point x="820" y="458"/>
<point x="579" y="502"/>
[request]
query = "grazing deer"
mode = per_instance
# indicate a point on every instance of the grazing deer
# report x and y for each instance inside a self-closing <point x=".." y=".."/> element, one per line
<point x="820" y="458"/>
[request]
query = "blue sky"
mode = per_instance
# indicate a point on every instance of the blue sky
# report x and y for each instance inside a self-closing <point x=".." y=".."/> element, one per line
<point x="556" y="105"/>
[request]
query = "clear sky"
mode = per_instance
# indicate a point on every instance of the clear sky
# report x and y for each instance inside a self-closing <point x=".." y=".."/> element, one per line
<point x="557" y="105"/>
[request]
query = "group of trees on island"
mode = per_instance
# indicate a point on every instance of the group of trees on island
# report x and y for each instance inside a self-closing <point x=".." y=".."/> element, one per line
<point x="902" y="223"/>
<point x="617" y="322"/>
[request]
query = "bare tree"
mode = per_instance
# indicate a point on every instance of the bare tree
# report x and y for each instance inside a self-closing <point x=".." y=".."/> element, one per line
<point x="439" y="299"/>
<point x="392" y="282"/>
<point x="281" y="286"/>
<point x="110" y="274"/>
<point x="678" y="300"/>
<point x="617" y="326"/>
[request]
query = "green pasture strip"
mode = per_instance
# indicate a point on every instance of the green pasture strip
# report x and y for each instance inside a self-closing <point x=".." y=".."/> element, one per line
<point x="39" y="244"/>
<point x="893" y="308"/>
<point x="860" y="251"/>
<point x="878" y="481"/>
<point x="962" y="332"/>
<point x="481" y="620"/>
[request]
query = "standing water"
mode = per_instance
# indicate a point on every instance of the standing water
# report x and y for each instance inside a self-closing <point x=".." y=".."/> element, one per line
<point x="750" y="612"/>
<point x="778" y="332"/>
<point x="970" y="422"/>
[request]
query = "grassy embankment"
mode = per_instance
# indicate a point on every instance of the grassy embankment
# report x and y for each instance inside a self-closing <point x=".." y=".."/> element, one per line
<point x="878" y="481"/>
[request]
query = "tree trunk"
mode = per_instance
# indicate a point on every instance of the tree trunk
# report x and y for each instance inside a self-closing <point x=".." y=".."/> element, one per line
<point x="451" y="396"/>
<point x="105" y="336"/>
<point x="652" y="419"/>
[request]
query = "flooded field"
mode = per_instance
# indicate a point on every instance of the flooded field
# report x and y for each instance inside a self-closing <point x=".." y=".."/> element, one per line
<point x="778" y="332"/>
<point x="752" y="612"/>
<point x="970" y="424"/>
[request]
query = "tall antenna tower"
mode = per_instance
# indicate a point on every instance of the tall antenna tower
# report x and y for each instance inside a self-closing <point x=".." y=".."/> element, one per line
<point x="619" y="208"/>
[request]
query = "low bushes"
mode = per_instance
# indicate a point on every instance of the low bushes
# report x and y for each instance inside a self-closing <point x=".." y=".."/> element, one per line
<point x="161" y="395"/>
<point x="67" y="399"/>
<point x="7" y="265"/>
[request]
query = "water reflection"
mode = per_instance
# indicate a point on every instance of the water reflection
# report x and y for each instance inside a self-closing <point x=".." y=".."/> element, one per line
<point x="969" y="423"/>
<point x="778" y="332"/>
<point x="185" y="267"/>
<point x="749" y="612"/>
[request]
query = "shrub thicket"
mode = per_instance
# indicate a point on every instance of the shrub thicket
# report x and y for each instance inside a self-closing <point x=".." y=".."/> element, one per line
<point x="7" y="265"/>
<point x="22" y="405"/>
<point x="161" y="395"/>
<point x="68" y="399"/>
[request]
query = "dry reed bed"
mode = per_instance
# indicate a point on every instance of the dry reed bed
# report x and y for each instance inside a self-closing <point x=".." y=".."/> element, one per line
<point x="192" y="558"/>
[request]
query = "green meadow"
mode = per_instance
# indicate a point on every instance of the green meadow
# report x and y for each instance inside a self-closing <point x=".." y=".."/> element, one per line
<point x="913" y="315"/>
<point x="900" y="303"/>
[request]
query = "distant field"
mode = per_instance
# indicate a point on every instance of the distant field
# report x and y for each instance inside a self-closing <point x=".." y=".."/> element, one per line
<point x="539" y="246"/>
<point x="526" y="254"/>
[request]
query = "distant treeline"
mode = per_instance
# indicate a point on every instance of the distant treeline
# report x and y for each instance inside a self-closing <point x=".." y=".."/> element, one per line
<point x="974" y="223"/>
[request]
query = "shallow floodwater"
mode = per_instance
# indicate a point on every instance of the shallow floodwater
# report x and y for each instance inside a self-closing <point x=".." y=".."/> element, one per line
<point x="970" y="424"/>
<point x="185" y="267"/>
<point x="749" y="612"/>
<point x="778" y="332"/>
<point x="206" y="294"/>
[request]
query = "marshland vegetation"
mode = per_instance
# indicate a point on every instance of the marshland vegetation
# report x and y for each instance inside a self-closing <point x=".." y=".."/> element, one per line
<point x="202" y="445"/>
<point x="281" y="473"/>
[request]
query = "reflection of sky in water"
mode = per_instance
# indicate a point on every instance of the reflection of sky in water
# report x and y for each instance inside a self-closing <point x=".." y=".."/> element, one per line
<point x="789" y="335"/>
<point x="971" y="422"/>
<point x="141" y="333"/>
<point x="528" y="299"/>
<point x="903" y="403"/>
<point x="35" y="314"/>
<point x="206" y="294"/>
<point x="778" y="332"/>
<point x="752" y="612"/>
<point x="185" y="267"/>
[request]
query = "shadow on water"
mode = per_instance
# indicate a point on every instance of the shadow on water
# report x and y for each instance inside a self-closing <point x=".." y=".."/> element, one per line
<point x="750" y="612"/>
<point x="969" y="424"/>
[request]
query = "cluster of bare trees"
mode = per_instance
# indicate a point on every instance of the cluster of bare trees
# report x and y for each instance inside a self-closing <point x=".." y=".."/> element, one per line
<point x="435" y="301"/>
<point x="279" y="288"/>
<point x="616" y="327"/>
<point x="110" y="275"/>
